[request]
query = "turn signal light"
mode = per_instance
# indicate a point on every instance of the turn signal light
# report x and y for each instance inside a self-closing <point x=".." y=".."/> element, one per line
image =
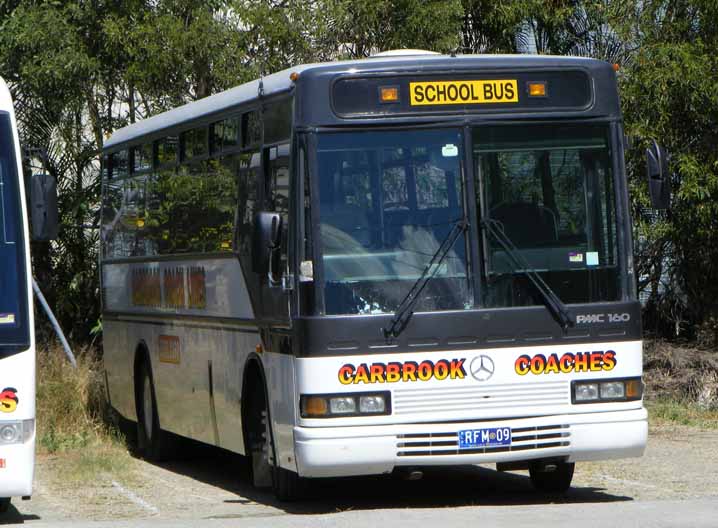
<point x="314" y="406"/>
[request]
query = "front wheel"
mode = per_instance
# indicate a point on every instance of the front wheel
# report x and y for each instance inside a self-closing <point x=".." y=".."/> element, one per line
<point x="265" y="468"/>
<point x="553" y="477"/>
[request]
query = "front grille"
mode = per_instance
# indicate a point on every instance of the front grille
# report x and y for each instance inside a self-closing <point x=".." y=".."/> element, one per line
<point x="475" y="398"/>
<point x="522" y="439"/>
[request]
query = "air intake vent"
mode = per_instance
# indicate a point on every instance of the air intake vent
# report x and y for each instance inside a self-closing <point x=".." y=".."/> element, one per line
<point x="522" y="439"/>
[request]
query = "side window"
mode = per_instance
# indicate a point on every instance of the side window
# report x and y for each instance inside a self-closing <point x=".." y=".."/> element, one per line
<point x="278" y="122"/>
<point x="277" y="189"/>
<point x="124" y="218"/>
<point x="142" y="158"/>
<point x="166" y="150"/>
<point x="119" y="162"/>
<point x="277" y="179"/>
<point x="194" y="143"/>
<point x="224" y="135"/>
<point x="251" y="129"/>
<point x="249" y="164"/>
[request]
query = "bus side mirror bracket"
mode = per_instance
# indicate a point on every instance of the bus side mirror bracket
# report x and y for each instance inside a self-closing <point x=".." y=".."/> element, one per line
<point x="43" y="207"/>
<point x="659" y="187"/>
<point x="266" y="244"/>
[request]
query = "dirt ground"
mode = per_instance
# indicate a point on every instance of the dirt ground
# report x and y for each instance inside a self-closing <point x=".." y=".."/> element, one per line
<point x="680" y="463"/>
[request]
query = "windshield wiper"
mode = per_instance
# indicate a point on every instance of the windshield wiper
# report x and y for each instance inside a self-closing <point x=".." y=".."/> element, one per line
<point x="406" y="307"/>
<point x="553" y="303"/>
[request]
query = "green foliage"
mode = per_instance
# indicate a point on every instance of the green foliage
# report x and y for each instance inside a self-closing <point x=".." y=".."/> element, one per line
<point x="80" y="70"/>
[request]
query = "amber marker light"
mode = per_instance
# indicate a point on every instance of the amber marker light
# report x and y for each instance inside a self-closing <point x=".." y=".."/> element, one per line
<point x="616" y="66"/>
<point x="314" y="406"/>
<point x="634" y="389"/>
<point x="537" y="89"/>
<point x="389" y="94"/>
<point x="293" y="76"/>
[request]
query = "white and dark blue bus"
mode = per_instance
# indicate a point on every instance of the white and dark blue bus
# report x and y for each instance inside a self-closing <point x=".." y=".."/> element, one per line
<point x="17" y="336"/>
<point x="355" y="268"/>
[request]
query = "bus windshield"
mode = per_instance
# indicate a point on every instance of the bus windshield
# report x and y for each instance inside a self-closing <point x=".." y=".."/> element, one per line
<point x="13" y="326"/>
<point x="549" y="189"/>
<point x="387" y="200"/>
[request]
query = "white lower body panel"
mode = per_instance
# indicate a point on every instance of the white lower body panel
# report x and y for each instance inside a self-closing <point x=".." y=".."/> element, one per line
<point x="18" y="468"/>
<point x="372" y="450"/>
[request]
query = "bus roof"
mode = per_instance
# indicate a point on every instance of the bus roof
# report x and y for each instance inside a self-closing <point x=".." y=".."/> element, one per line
<point x="280" y="82"/>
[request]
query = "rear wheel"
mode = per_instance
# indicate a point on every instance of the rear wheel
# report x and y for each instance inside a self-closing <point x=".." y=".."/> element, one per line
<point x="152" y="442"/>
<point x="552" y="477"/>
<point x="4" y="504"/>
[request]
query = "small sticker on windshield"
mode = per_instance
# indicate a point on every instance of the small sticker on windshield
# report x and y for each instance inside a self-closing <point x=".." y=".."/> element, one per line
<point x="592" y="258"/>
<point x="449" y="151"/>
<point x="575" y="256"/>
<point x="7" y="318"/>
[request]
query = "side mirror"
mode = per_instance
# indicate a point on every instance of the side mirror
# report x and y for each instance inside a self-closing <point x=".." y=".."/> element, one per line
<point x="659" y="186"/>
<point x="43" y="207"/>
<point x="266" y="243"/>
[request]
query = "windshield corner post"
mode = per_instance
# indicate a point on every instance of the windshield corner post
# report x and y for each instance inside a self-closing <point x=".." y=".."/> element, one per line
<point x="311" y="144"/>
<point x="623" y="220"/>
<point x="473" y="231"/>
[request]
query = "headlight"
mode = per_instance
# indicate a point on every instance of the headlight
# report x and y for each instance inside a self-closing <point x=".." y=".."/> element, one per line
<point x="342" y="405"/>
<point x="615" y="390"/>
<point x="338" y="405"/>
<point x="16" y="432"/>
<point x="586" y="391"/>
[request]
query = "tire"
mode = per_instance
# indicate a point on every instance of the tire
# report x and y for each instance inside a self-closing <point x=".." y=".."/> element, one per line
<point x="285" y="484"/>
<point x="551" y="478"/>
<point x="152" y="443"/>
<point x="4" y="504"/>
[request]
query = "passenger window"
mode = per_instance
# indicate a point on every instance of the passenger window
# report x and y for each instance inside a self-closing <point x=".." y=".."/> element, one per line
<point x="249" y="164"/>
<point x="251" y="129"/>
<point x="224" y="135"/>
<point x="194" y="143"/>
<point x="120" y="163"/>
<point x="167" y="150"/>
<point x="278" y="122"/>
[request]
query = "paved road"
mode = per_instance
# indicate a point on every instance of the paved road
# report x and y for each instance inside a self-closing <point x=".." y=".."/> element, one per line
<point x="675" y="484"/>
<point x="695" y="513"/>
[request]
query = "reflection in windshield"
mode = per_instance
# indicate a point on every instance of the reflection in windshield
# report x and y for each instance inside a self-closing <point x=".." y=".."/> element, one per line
<point x="387" y="200"/>
<point x="550" y="190"/>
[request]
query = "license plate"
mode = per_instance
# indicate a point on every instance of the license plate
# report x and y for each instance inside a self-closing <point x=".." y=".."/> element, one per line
<point x="491" y="437"/>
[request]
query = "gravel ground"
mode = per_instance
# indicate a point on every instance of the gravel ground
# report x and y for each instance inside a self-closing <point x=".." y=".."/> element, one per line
<point x="680" y="463"/>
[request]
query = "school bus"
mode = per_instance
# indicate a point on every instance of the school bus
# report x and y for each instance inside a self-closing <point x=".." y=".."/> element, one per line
<point x="372" y="266"/>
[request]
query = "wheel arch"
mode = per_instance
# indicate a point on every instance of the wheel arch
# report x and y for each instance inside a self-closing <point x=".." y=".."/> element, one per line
<point x="252" y="375"/>
<point x="142" y="355"/>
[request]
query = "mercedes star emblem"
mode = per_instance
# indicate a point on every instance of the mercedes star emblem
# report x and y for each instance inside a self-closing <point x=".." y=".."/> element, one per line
<point x="482" y="368"/>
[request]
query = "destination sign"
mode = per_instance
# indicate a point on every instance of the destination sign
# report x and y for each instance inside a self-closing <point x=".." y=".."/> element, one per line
<point x="477" y="92"/>
<point x="463" y="92"/>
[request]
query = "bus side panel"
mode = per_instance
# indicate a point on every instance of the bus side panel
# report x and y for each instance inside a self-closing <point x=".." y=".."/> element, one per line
<point x="279" y="371"/>
<point x="118" y="358"/>
<point x="196" y="320"/>
<point x="230" y="356"/>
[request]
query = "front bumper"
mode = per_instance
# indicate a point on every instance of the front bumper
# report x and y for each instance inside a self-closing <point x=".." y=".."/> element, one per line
<point x="373" y="450"/>
<point x="17" y="466"/>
